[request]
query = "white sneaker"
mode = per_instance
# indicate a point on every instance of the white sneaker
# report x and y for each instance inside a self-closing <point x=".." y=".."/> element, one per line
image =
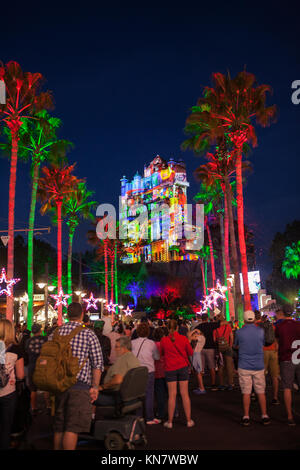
<point x="168" y="425"/>
<point x="190" y="424"/>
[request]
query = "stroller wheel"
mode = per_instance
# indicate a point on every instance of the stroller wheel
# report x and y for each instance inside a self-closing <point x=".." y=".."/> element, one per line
<point x="114" y="441"/>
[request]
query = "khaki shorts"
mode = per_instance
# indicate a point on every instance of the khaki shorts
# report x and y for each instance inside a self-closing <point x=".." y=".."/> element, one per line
<point x="271" y="363"/>
<point x="73" y="411"/>
<point x="249" y="378"/>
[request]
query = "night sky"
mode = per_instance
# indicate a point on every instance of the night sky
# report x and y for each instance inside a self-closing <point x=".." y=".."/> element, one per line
<point x="124" y="79"/>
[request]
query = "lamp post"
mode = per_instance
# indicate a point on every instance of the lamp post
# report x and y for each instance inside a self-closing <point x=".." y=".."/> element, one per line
<point x="44" y="285"/>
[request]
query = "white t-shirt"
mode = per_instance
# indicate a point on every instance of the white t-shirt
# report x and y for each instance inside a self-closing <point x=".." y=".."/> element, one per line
<point x="146" y="351"/>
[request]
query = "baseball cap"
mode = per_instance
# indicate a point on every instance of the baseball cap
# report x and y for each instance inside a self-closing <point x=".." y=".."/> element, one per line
<point x="36" y="328"/>
<point x="249" y="316"/>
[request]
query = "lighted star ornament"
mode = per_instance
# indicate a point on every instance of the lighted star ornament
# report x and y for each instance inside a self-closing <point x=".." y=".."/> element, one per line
<point x="91" y="302"/>
<point x="215" y="294"/>
<point x="6" y="284"/>
<point x="111" y="307"/>
<point x="127" y="311"/>
<point x="61" y="298"/>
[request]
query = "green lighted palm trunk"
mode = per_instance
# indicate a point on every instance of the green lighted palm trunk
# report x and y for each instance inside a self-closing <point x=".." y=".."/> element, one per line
<point x="116" y="278"/>
<point x="224" y="262"/>
<point x="30" y="286"/>
<point x="59" y="257"/>
<point x="70" y="249"/>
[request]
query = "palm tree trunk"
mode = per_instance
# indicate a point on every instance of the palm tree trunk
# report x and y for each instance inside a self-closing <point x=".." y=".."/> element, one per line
<point x="225" y="269"/>
<point x="203" y="277"/>
<point x="59" y="257"/>
<point x="234" y="256"/>
<point x="211" y="250"/>
<point x="70" y="250"/>
<point x="116" y="276"/>
<point x="241" y="230"/>
<point x="106" y="271"/>
<point x="30" y="281"/>
<point x="112" y="279"/>
<point x="11" y="222"/>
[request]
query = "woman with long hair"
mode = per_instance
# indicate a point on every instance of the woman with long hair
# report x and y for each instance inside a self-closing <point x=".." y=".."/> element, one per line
<point x="176" y="350"/>
<point x="14" y="366"/>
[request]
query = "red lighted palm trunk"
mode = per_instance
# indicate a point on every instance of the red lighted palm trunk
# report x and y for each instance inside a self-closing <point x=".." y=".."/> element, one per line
<point x="106" y="271"/>
<point x="241" y="230"/>
<point x="11" y="221"/>
<point x="212" y="261"/>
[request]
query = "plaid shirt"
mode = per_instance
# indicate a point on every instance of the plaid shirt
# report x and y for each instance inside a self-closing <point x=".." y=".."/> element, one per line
<point x="84" y="345"/>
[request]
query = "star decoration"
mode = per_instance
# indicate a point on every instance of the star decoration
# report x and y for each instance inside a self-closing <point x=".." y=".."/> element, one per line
<point x="7" y="282"/>
<point x="127" y="311"/>
<point x="111" y="307"/>
<point x="61" y="298"/>
<point x="91" y="302"/>
<point x="211" y="300"/>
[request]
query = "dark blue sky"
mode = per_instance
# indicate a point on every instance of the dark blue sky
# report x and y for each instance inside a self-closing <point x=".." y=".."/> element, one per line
<point x="124" y="79"/>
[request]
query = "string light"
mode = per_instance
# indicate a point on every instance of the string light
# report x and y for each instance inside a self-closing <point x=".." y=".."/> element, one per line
<point x="8" y="284"/>
<point x="111" y="307"/>
<point x="211" y="300"/>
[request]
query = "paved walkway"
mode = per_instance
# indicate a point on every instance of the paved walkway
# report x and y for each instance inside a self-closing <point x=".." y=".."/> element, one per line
<point x="217" y="416"/>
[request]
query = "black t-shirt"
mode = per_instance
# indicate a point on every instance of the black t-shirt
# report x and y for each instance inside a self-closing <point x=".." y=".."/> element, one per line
<point x="208" y="329"/>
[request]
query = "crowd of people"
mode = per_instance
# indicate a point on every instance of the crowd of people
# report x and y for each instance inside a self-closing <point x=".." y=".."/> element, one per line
<point x="175" y="352"/>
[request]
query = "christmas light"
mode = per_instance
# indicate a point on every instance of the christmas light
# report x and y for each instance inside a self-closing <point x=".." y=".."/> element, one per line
<point x="127" y="311"/>
<point x="8" y="284"/>
<point x="111" y="307"/>
<point x="211" y="300"/>
<point x="61" y="298"/>
<point x="91" y="302"/>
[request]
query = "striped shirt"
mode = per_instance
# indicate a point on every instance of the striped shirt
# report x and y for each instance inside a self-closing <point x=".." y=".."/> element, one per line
<point x="84" y="345"/>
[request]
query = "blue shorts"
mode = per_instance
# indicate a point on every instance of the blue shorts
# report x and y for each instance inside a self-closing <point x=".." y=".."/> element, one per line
<point x="178" y="375"/>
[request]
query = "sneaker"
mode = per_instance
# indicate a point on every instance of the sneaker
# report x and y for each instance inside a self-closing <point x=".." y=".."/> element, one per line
<point x="291" y="422"/>
<point x="265" y="421"/>
<point x="275" y="401"/>
<point x="157" y="420"/>
<point x="198" y="391"/>
<point x="245" y="421"/>
<point x="214" y="388"/>
<point x="221" y="388"/>
<point x="190" y="424"/>
<point x="230" y="388"/>
<point x="168" y="425"/>
<point x="153" y="421"/>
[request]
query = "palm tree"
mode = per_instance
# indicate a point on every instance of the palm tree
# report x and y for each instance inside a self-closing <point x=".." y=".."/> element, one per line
<point x="229" y="108"/>
<point x="291" y="262"/>
<point x="75" y="208"/>
<point x="204" y="256"/>
<point x="221" y="168"/>
<point x="22" y="100"/>
<point x="37" y="139"/>
<point x="57" y="184"/>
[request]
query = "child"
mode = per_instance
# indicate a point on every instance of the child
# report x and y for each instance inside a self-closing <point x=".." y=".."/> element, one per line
<point x="197" y="342"/>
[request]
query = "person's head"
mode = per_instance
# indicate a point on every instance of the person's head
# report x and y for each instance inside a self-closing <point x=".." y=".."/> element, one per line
<point x="249" y="316"/>
<point x="283" y="313"/>
<point x="257" y="315"/>
<point x="160" y="323"/>
<point x="36" y="329"/>
<point x="24" y="326"/>
<point x="7" y="332"/>
<point x="204" y="317"/>
<point x="220" y="318"/>
<point x="158" y="334"/>
<point x="54" y="322"/>
<point x="86" y="318"/>
<point x="98" y="327"/>
<point x="195" y="334"/>
<point x="143" y="330"/>
<point x="123" y="345"/>
<point x="120" y="329"/>
<point x="75" y="312"/>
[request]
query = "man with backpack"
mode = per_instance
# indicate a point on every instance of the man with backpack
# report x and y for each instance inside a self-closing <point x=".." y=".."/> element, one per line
<point x="33" y="348"/>
<point x="270" y="353"/>
<point x="70" y="366"/>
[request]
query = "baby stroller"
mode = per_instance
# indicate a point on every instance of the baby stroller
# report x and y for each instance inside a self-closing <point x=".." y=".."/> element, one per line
<point x="122" y="425"/>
